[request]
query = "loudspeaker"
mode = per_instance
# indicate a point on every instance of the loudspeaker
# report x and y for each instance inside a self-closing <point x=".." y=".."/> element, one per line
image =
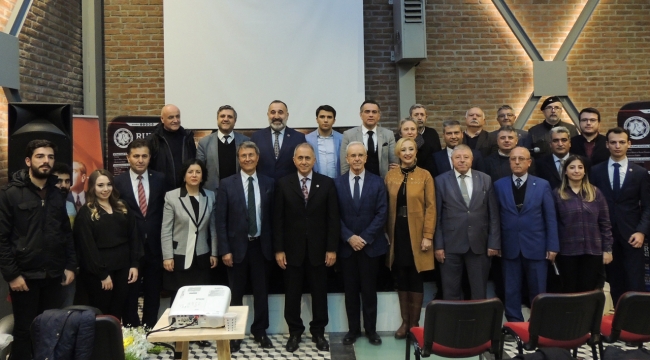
<point x="31" y="121"/>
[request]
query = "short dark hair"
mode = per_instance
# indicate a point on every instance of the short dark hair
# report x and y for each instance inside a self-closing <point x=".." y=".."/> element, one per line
<point x="189" y="162"/>
<point x="136" y="144"/>
<point x="618" y="130"/>
<point x="39" y="143"/>
<point x="591" y="111"/>
<point x="326" y="108"/>
<point x="508" y="128"/>
<point x="505" y="107"/>
<point x="369" y="102"/>
<point x="279" y="102"/>
<point x="228" y="107"/>
<point x="416" y="106"/>
<point x="448" y="123"/>
<point x="61" y="168"/>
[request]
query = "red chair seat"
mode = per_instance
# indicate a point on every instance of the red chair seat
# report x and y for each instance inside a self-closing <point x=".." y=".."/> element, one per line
<point x="606" y="330"/>
<point x="521" y="329"/>
<point x="418" y="333"/>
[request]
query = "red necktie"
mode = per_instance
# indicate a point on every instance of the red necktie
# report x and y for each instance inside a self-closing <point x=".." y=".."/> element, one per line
<point x="142" y="198"/>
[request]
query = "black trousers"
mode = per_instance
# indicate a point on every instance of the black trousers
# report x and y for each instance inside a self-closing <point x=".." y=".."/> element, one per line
<point x="579" y="273"/>
<point x="626" y="271"/>
<point x="109" y="302"/>
<point x="359" y="277"/>
<point x="316" y="277"/>
<point x="256" y="268"/>
<point x="43" y="294"/>
<point x="150" y="284"/>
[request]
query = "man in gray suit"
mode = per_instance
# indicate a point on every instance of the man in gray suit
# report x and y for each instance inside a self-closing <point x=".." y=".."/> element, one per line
<point x="379" y="142"/>
<point x="468" y="230"/>
<point x="219" y="149"/>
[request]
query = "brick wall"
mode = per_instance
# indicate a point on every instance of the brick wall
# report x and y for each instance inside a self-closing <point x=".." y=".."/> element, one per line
<point x="6" y="6"/>
<point x="475" y="60"/>
<point x="50" y="59"/>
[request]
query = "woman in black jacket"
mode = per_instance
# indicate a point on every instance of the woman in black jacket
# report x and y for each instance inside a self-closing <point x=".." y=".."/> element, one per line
<point x="107" y="244"/>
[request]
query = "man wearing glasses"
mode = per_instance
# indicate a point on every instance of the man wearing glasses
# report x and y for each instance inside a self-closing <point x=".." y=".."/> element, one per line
<point x="539" y="136"/>
<point x="590" y="143"/>
<point x="506" y="117"/>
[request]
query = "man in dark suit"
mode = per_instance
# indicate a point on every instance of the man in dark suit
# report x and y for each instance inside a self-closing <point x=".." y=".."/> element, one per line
<point x="590" y="143"/>
<point x="453" y="136"/>
<point x="143" y="190"/>
<point x="418" y="113"/>
<point x="306" y="231"/>
<point x="77" y="194"/>
<point x="626" y="186"/>
<point x="244" y="231"/>
<point x="549" y="167"/>
<point x="474" y="136"/>
<point x="467" y="230"/>
<point x="528" y="231"/>
<point x="219" y="150"/>
<point x="364" y="203"/>
<point x="277" y="142"/>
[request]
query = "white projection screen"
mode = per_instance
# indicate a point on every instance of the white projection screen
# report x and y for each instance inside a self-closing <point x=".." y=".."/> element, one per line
<point x="246" y="53"/>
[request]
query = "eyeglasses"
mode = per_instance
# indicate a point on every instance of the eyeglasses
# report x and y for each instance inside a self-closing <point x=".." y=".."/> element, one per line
<point x="562" y="140"/>
<point x="556" y="108"/>
<point x="592" y="120"/>
<point x="501" y="116"/>
<point x="519" y="159"/>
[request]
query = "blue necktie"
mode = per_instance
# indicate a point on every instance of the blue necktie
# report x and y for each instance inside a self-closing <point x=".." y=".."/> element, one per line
<point x="617" y="179"/>
<point x="357" y="192"/>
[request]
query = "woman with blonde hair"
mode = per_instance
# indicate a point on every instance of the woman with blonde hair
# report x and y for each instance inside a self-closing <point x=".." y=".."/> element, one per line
<point x="408" y="128"/>
<point x="108" y="246"/>
<point x="410" y="227"/>
<point x="584" y="229"/>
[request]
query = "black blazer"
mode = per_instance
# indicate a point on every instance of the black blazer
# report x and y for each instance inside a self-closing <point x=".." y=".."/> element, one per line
<point x="148" y="226"/>
<point x="483" y="144"/>
<point x="546" y="168"/>
<point x="442" y="165"/>
<point x="283" y="165"/>
<point x="630" y="211"/>
<point x="600" y="153"/>
<point x="232" y="217"/>
<point x="301" y="230"/>
<point x="431" y="137"/>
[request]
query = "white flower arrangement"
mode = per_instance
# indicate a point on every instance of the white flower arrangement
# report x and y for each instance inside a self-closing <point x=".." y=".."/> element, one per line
<point x="135" y="343"/>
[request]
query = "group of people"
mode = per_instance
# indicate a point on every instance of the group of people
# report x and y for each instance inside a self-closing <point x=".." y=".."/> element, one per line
<point x="366" y="198"/>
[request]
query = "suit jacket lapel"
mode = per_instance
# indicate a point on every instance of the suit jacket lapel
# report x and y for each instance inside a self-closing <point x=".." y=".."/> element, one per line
<point x="239" y="188"/>
<point x="296" y="185"/>
<point x="628" y="175"/>
<point x="455" y="187"/>
<point x="203" y="202"/>
<point x="155" y="187"/>
<point x="187" y="206"/>
<point x="530" y="195"/>
<point x="286" y="143"/>
<point x="348" y="194"/>
<point x="477" y="187"/>
<point x="313" y="188"/>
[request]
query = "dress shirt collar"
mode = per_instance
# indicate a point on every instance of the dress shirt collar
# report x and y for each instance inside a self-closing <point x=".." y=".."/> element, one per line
<point x="555" y="158"/>
<point x="469" y="173"/>
<point x="281" y="131"/>
<point x="220" y="135"/>
<point x="523" y="178"/>
<point x="361" y="176"/>
<point x="310" y="176"/>
<point x="623" y="163"/>
<point x="449" y="151"/>
<point x="245" y="176"/>
<point x="365" y="130"/>
<point x="475" y="134"/>
<point x="318" y="135"/>
<point x="134" y="176"/>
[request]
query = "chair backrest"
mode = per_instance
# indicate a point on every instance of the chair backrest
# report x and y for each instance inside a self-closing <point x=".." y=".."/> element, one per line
<point x="462" y="324"/>
<point x="566" y="317"/>
<point x="632" y="314"/>
<point x="109" y="344"/>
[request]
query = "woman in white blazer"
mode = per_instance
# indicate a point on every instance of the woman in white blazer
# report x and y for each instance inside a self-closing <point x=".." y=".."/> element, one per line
<point x="189" y="236"/>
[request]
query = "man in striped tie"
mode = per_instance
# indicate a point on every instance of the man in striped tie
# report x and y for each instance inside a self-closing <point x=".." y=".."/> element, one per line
<point x="143" y="191"/>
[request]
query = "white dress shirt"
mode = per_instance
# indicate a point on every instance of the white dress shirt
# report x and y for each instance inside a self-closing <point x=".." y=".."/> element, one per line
<point x="361" y="176"/>
<point x="80" y="196"/>
<point x="220" y="135"/>
<point x="258" y="199"/>
<point x="449" y="151"/>
<point x="621" y="171"/>
<point x="145" y="184"/>
<point x="523" y="179"/>
<point x="308" y="184"/>
<point x="280" y="138"/>
<point x="468" y="181"/>
<point x="365" y="136"/>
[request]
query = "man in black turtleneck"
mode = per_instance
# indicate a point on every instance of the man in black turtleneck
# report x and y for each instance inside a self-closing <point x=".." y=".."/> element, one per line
<point x="170" y="146"/>
<point x="497" y="165"/>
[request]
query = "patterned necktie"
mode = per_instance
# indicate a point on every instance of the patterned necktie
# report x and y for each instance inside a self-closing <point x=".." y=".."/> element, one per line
<point x="518" y="182"/>
<point x="305" y="191"/>
<point x="276" y="144"/>
<point x="77" y="204"/>
<point x="371" y="143"/>
<point x="252" y="216"/>
<point x="560" y="165"/>
<point x="357" y="191"/>
<point x="463" y="189"/>
<point x="142" y="198"/>
<point x="226" y="139"/>
<point x="617" y="178"/>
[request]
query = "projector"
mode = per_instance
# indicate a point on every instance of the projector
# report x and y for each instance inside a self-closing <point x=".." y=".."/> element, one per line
<point x="200" y="307"/>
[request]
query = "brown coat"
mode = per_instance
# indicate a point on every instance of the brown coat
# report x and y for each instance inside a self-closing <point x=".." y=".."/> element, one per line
<point x="421" y="204"/>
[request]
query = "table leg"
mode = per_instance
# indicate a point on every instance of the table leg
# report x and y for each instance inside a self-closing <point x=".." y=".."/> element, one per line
<point x="182" y="350"/>
<point x="223" y="349"/>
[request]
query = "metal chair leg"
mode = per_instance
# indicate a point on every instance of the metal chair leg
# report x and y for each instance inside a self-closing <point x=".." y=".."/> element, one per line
<point x="575" y="353"/>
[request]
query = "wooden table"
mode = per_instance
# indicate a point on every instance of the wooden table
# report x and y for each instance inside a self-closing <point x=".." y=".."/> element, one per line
<point x="182" y="337"/>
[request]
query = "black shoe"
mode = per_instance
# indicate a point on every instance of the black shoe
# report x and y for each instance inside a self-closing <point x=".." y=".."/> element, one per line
<point x="292" y="343"/>
<point x="350" y="338"/>
<point x="321" y="343"/>
<point x="201" y="343"/>
<point x="373" y="338"/>
<point x="235" y="345"/>
<point x="264" y="341"/>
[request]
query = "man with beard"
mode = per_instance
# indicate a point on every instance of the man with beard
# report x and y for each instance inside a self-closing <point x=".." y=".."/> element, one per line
<point x="277" y="143"/>
<point x="326" y="142"/>
<point x="590" y="144"/>
<point x="63" y="172"/>
<point x="418" y="113"/>
<point x="540" y="134"/>
<point x="36" y="247"/>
